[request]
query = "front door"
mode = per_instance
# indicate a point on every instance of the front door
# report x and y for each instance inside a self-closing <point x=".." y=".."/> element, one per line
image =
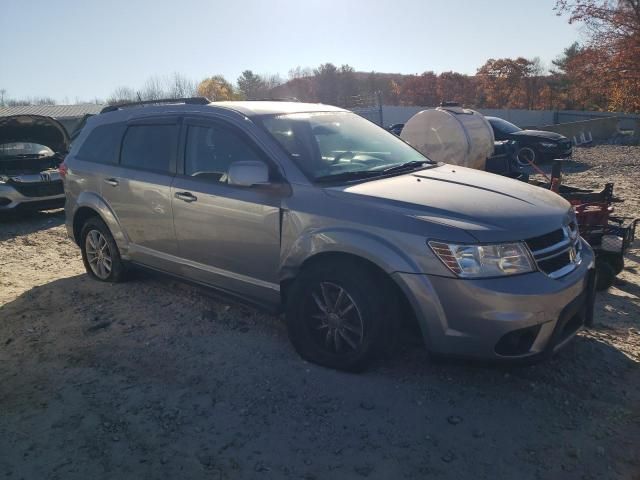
<point x="228" y="236"/>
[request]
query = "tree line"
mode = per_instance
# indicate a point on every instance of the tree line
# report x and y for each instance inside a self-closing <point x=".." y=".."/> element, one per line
<point x="602" y="73"/>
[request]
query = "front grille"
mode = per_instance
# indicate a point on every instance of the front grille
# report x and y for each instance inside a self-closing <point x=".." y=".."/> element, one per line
<point x="45" y="189"/>
<point x="546" y="240"/>
<point x="554" y="264"/>
<point x="557" y="253"/>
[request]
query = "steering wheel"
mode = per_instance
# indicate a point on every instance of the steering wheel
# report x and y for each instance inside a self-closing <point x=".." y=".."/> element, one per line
<point x="339" y="157"/>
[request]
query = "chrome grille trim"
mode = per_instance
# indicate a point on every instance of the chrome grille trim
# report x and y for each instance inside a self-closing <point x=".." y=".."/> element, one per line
<point x="560" y="245"/>
<point x="570" y="247"/>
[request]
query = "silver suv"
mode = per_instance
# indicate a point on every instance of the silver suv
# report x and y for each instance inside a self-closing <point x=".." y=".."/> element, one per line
<point x="315" y="211"/>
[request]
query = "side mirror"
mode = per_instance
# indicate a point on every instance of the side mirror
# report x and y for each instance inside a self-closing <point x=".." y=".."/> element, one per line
<point x="248" y="173"/>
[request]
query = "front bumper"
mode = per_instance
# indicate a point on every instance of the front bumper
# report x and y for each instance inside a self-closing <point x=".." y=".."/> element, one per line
<point x="554" y="153"/>
<point x="37" y="196"/>
<point x="519" y="317"/>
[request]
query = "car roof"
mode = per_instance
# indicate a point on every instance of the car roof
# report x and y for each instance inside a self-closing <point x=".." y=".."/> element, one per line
<point x="252" y="108"/>
<point x="240" y="108"/>
<point x="243" y="108"/>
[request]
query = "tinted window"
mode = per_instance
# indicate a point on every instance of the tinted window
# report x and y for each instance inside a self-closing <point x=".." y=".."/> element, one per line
<point x="210" y="150"/>
<point x="102" y="145"/>
<point x="149" y="147"/>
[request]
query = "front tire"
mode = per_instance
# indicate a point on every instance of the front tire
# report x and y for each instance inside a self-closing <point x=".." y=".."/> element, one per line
<point x="100" y="253"/>
<point x="338" y="314"/>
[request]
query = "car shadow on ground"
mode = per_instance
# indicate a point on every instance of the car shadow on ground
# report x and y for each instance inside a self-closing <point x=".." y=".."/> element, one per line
<point x="628" y="287"/>
<point x="81" y="293"/>
<point x="153" y="378"/>
<point x="25" y="222"/>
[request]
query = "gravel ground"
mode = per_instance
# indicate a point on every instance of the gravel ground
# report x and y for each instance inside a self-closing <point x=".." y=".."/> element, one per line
<point x="158" y="379"/>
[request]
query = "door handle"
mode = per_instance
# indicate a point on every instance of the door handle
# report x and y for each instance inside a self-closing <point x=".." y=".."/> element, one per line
<point x="186" y="196"/>
<point x="112" y="181"/>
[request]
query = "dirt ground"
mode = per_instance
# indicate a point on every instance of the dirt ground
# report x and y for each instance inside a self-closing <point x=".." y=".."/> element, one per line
<point x="159" y="379"/>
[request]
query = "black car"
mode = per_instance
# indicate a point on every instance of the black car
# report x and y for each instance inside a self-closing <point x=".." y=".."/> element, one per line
<point x="535" y="146"/>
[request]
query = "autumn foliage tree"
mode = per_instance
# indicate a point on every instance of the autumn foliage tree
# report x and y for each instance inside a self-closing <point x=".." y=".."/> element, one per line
<point x="510" y="83"/>
<point x="217" y="88"/>
<point x="609" y="65"/>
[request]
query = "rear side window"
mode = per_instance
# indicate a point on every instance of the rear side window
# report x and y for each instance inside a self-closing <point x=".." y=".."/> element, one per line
<point x="102" y="144"/>
<point x="149" y="147"/>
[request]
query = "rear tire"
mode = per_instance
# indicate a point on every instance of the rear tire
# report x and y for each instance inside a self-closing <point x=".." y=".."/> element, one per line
<point x="338" y="315"/>
<point x="100" y="253"/>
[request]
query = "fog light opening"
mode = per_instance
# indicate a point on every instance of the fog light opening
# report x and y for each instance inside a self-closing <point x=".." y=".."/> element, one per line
<point x="517" y="342"/>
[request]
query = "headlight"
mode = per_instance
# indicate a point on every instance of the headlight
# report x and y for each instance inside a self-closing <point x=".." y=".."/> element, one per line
<point x="479" y="261"/>
<point x="4" y="179"/>
<point x="548" y="145"/>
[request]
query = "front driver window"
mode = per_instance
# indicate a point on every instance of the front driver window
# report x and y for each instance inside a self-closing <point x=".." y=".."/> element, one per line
<point x="210" y="150"/>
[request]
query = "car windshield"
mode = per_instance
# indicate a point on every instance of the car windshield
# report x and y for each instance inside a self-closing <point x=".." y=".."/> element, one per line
<point x="341" y="145"/>
<point x="504" y="126"/>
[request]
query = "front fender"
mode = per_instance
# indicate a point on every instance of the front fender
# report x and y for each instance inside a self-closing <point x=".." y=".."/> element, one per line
<point x="345" y="240"/>
<point x="94" y="202"/>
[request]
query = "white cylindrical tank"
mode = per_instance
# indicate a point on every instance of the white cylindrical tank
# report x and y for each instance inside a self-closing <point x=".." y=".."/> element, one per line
<point x="451" y="135"/>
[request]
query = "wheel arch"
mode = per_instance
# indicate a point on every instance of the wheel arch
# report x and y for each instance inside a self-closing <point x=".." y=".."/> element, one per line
<point x="333" y="246"/>
<point x="91" y="205"/>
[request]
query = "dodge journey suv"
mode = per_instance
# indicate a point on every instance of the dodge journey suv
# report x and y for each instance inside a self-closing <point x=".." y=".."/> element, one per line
<point x="317" y="212"/>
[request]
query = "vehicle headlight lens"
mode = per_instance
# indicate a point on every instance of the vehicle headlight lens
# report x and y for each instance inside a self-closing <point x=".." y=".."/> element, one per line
<point x="4" y="179"/>
<point x="480" y="261"/>
<point x="547" y="145"/>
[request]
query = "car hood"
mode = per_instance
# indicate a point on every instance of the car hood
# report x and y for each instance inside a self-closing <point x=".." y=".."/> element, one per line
<point x="540" y="134"/>
<point x="34" y="129"/>
<point x="489" y="207"/>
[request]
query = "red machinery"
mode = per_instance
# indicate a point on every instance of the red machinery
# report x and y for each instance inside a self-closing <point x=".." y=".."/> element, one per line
<point x="610" y="236"/>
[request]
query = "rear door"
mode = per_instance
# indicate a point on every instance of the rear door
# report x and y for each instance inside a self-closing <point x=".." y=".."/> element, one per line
<point x="228" y="236"/>
<point x="138" y="190"/>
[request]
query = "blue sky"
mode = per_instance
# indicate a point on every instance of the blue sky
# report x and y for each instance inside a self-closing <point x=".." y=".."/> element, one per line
<point x="70" y="49"/>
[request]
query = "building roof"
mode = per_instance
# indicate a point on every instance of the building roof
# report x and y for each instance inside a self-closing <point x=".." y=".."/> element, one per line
<point x="55" y="111"/>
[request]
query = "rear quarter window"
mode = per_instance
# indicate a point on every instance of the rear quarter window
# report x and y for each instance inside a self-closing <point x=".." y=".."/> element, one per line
<point x="102" y="145"/>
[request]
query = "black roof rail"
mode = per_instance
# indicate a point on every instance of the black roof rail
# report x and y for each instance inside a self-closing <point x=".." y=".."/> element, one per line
<point x="186" y="101"/>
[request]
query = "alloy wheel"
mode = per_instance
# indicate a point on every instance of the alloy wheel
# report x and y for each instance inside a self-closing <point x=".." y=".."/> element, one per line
<point x="334" y="319"/>
<point x="98" y="254"/>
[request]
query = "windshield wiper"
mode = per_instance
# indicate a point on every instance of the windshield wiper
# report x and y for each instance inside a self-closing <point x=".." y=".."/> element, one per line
<point x="357" y="175"/>
<point x="412" y="165"/>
